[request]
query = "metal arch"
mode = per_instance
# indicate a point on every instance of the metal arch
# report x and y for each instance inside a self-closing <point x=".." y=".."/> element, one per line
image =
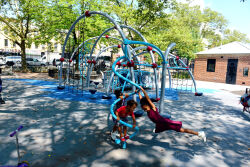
<point x="100" y="52"/>
<point x="73" y="54"/>
<point x="92" y="51"/>
<point x="81" y="45"/>
<point x="190" y="73"/>
<point x="106" y="31"/>
<point x="151" y="54"/>
<point x="128" y="42"/>
<point x="152" y="58"/>
<point x="111" y="78"/>
<point x="73" y="26"/>
<point x="144" y="47"/>
<point x="163" y="80"/>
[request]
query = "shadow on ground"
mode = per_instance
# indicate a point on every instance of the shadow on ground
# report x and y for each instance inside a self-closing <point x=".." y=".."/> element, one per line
<point x="73" y="133"/>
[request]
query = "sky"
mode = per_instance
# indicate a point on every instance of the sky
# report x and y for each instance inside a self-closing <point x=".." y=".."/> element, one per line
<point x="236" y="12"/>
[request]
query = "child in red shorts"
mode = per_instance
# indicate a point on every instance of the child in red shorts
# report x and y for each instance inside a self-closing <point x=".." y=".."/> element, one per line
<point x="122" y="113"/>
<point x="161" y="123"/>
<point x="119" y="95"/>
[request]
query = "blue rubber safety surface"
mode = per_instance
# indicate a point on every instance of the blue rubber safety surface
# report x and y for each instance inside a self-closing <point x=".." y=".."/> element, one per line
<point x="37" y="82"/>
<point x="171" y="94"/>
<point x="74" y="95"/>
<point x="84" y="96"/>
<point x="199" y="90"/>
<point x="206" y="90"/>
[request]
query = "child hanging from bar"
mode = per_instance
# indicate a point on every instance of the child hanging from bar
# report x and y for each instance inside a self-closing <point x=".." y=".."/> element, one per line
<point x="161" y="123"/>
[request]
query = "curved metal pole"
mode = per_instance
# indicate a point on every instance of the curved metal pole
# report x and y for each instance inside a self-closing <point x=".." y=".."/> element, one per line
<point x="119" y="75"/>
<point x="122" y="122"/>
<point x="129" y="42"/>
<point x="92" y="65"/>
<point x="122" y="26"/>
<point x="92" y="51"/>
<point x="110" y="80"/>
<point x="190" y="73"/>
<point x="125" y="82"/>
<point x="128" y="56"/>
<point x="155" y="70"/>
<point x="169" y="73"/>
<point x="163" y="80"/>
<point x="73" y="26"/>
<point x="112" y="75"/>
<point x="82" y="44"/>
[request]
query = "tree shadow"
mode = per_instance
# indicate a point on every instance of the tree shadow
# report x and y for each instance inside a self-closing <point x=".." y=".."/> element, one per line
<point x="73" y="133"/>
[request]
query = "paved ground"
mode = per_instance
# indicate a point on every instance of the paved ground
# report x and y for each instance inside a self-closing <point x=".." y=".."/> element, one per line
<point x="74" y="133"/>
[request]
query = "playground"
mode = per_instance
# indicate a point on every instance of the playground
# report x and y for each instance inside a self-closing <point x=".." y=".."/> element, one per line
<point x="61" y="132"/>
<point x="67" y="120"/>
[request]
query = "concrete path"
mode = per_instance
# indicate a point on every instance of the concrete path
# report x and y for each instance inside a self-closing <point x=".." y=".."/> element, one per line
<point x="75" y="134"/>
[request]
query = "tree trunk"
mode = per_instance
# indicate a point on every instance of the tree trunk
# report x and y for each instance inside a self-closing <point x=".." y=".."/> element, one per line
<point x="23" y="54"/>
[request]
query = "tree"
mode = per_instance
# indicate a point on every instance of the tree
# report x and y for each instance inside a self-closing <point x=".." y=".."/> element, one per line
<point x="60" y="15"/>
<point x="18" y="21"/>
<point x="213" y="26"/>
<point x="234" y="35"/>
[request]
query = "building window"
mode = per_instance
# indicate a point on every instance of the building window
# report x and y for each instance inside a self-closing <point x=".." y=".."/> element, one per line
<point x="36" y="46"/>
<point x="14" y="45"/>
<point x="245" y="71"/>
<point x="211" y="65"/>
<point x="5" y="42"/>
<point x="43" y="47"/>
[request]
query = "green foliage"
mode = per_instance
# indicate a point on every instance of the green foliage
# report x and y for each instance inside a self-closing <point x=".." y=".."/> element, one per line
<point x="160" y="21"/>
<point x="18" y="20"/>
<point x="234" y="35"/>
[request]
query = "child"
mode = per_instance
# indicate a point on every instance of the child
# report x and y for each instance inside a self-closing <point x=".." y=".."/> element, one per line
<point x="121" y="103"/>
<point x="162" y="123"/>
<point x="122" y="114"/>
<point x="118" y="93"/>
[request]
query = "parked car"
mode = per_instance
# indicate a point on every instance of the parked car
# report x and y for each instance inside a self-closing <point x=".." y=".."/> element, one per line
<point x="34" y="62"/>
<point x="11" y="60"/>
<point x="2" y="61"/>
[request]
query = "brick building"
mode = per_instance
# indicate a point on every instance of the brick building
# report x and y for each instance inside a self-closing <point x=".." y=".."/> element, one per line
<point x="228" y="63"/>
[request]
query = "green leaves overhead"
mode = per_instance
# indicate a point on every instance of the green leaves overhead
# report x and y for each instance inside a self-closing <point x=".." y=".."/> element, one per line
<point x="160" y="21"/>
<point x="18" y="20"/>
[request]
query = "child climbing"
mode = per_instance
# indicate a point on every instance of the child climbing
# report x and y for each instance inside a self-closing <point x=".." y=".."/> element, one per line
<point x="122" y="114"/>
<point x="118" y="93"/>
<point x="161" y="123"/>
